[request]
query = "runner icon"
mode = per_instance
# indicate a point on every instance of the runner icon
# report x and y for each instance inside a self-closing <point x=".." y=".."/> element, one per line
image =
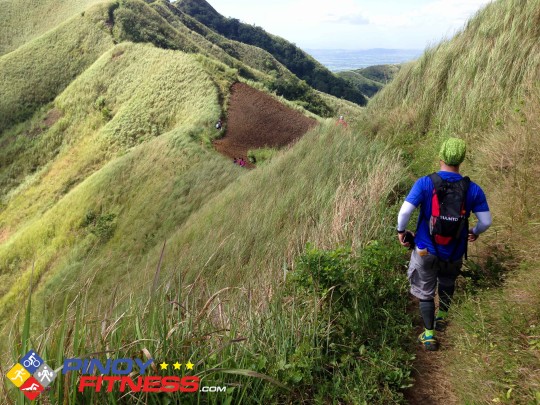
<point x="19" y="374"/>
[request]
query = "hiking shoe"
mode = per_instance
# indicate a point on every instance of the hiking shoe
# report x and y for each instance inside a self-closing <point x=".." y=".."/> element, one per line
<point x="440" y="324"/>
<point x="429" y="343"/>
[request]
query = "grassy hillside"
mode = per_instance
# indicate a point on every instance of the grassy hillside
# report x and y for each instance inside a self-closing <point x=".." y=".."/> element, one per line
<point x="25" y="20"/>
<point x="117" y="104"/>
<point x="482" y="86"/>
<point x="372" y="79"/>
<point x="113" y="158"/>
<point x="134" y="238"/>
<point x="296" y="60"/>
<point x="37" y="72"/>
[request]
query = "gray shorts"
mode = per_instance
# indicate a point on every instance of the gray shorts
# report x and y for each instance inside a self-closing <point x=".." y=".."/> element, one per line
<point x="425" y="271"/>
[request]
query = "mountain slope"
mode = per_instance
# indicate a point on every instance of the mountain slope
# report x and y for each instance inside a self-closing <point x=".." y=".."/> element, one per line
<point x="482" y="86"/>
<point x="113" y="106"/>
<point x="24" y="20"/>
<point x="116" y="158"/>
<point x="37" y="72"/>
<point x="296" y="60"/>
<point x="372" y="79"/>
<point x="142" y="239"/>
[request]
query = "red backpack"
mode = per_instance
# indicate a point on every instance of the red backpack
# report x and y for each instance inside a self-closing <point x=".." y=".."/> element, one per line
<point x="448" y="212"/>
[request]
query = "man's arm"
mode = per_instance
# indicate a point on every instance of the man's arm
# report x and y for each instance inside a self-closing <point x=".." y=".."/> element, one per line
<point x="403" y="219"/>
<point x="484" y="222"/>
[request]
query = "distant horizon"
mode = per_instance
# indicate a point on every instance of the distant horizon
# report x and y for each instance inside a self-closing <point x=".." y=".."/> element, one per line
<point x="363" y="49"/>
<point x="338" y="60"/>
<point x="356" y="24"/>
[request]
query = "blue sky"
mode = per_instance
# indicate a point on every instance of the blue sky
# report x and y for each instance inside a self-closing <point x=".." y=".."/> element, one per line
<point x="355" y="24"/>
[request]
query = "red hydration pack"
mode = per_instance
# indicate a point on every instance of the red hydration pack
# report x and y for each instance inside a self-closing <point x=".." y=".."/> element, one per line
<point x="448" y="212"/>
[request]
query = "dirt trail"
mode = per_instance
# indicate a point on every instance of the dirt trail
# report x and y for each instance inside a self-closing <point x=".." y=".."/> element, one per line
<point x="256" y="120"/>
<point x="431" y="384"/>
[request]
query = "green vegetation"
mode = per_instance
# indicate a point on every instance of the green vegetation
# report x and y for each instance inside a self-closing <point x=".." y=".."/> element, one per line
<point x="37" y="72"/>
<point x="261" y="156"/>
<point x="370" y="80"/>
<point x="318" y="338"/>
<point x="167" y="27"/>
<point x="296" y="60"/>
<point x="127" y="234"/>
<point x="95" y="150"/>
<point x="24" y="20"/>
<point x="482" y="86"/>
<point x="497" y="331"/>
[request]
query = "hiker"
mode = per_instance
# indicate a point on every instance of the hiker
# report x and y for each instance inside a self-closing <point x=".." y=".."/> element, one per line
<point x="219" y="124"/>
<point x="342" y="122"/>
<point x="235" y="161"/>
<point x="242" y="162"/>
<point x="446" y="200"/>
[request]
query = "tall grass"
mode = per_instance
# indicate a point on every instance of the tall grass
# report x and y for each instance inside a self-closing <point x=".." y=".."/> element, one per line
<point x="478" y="73"/>
<point x="294" y="346"/>
<point x="482" y="86"/>
<point x="37" y="72"/>
<point x="300" y="206"/>
<point x="90" y="176"/>
<point x="25" y="20"/>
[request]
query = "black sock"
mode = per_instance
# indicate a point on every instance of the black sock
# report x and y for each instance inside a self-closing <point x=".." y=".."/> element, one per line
<point x="445" y="297"/>
<point x="427" y="310"/>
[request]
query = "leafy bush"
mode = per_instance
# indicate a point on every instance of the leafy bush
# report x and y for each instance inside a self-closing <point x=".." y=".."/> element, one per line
<point x="363" y="327"/>
<point x="261" y="156"/>
<point x="100" y="225"/>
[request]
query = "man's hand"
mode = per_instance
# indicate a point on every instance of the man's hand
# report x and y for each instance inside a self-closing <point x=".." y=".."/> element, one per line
<point x="401" y="237"/>
<point x="472" y="236"/>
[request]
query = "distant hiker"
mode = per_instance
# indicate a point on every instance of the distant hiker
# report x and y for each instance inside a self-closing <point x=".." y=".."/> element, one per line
<point x="242" y="162"/>
<point x="235" y="161"/>
<point x="342" y="122"/>
<point x="446" y="200"/>
<point x="219" y="124"/>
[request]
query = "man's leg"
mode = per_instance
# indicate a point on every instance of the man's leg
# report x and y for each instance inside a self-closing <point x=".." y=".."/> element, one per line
<point x="427" y="310"/>
<point x="423" y="278"/>
<point x="447" y="285"/>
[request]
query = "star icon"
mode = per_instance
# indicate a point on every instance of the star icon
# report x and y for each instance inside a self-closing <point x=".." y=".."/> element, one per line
<point x="189" y="365"/>
<point x="176" y="366"/>
<point x="164" y="366"/>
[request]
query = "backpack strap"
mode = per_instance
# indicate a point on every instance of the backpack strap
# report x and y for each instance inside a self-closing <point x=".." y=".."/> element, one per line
<point x="437" y="183"/>
<point x="437" y="180"/>
<point x="467" y="182"/>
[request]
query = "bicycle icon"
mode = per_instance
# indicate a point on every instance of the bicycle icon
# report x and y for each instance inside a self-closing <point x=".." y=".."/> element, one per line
<point x="31" y="362"/>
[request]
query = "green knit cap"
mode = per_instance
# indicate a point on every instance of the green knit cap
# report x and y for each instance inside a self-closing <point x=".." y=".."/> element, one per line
<point x="453" y="151"/>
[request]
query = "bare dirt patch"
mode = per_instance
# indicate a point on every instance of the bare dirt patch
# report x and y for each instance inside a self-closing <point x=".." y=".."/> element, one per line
<point x="52" y="117"/>
<point x="4" y="235"/>
<point x="256" y="120"/>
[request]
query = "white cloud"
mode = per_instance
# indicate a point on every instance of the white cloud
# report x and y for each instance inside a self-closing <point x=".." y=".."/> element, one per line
<point x="354" y="19"/>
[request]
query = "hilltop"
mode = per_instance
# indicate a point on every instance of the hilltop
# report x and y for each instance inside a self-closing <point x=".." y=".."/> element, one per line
<point x="297" y="61"/>
<point x="372" y="79"/>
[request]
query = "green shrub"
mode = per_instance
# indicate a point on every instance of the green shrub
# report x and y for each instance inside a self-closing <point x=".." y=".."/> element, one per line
<point x="100" y="225"/>
<point x="363" y="328"/>
<point x="261" y="156"/>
